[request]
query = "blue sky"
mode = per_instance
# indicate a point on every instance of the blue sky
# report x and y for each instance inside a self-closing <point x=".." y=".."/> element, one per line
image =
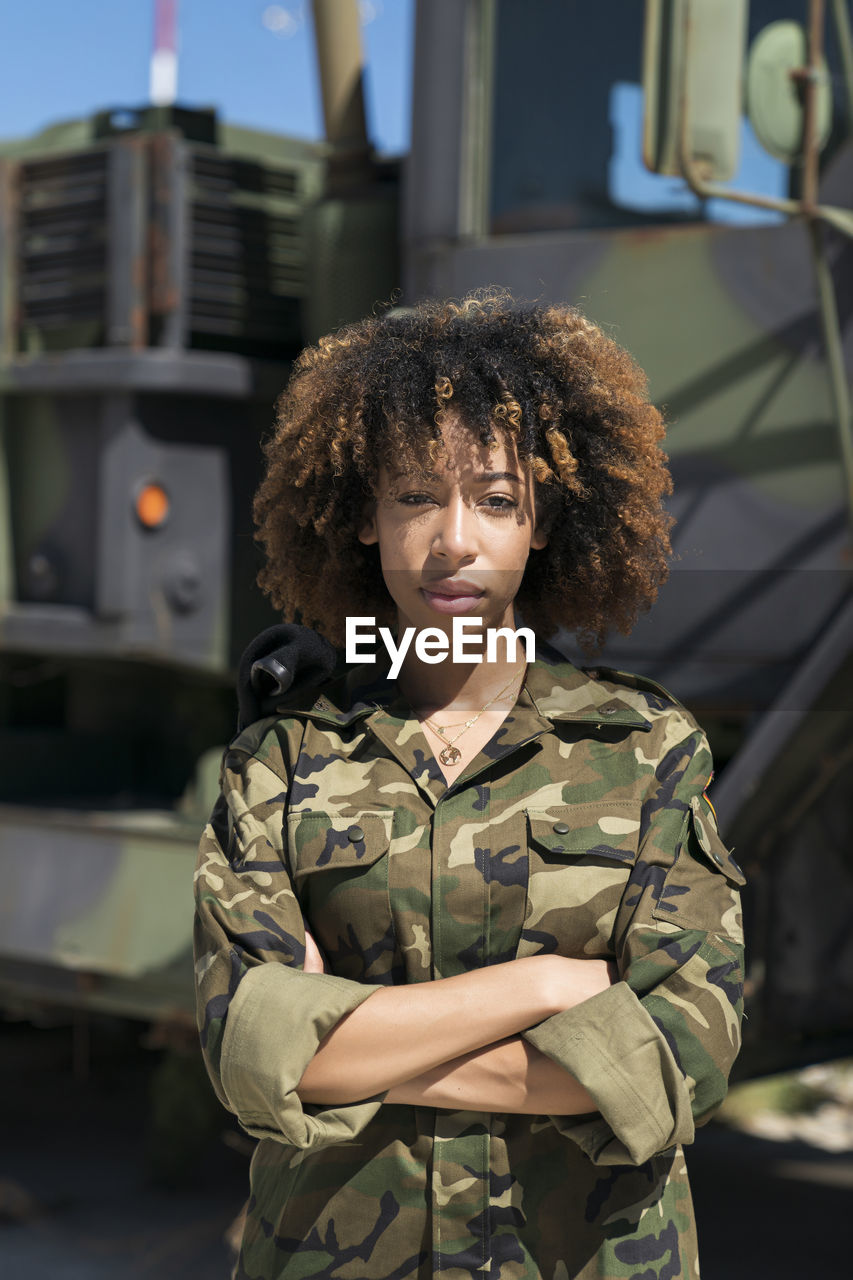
<point x="251" y="59"/>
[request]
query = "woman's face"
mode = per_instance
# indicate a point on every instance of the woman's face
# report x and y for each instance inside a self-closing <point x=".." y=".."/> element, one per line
<point x="457" y="544"/>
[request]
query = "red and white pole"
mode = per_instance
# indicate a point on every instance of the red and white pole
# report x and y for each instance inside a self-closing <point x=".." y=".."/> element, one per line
<point x="164" y="56"/>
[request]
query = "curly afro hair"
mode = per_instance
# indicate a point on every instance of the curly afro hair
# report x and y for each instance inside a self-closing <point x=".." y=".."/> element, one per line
<point x="573" y="401"/>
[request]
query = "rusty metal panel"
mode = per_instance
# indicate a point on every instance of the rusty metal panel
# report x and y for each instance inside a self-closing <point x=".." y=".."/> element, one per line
<point x="167" y="241"/>
<point x="8" y="222"/>
<point x="126" y="218"/>
<point x="62" y="263"/>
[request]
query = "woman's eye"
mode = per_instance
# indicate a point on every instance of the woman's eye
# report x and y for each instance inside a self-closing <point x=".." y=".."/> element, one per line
<point x="497" y="502"/>
<point x="500" y="502"/>
<point x="414" y="499"/>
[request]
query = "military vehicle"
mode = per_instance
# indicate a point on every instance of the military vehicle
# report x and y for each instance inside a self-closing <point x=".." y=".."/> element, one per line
<point x="161" y="268"/>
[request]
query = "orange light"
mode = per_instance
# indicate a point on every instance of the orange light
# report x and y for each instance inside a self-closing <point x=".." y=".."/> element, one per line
<point x="152" y="506"/>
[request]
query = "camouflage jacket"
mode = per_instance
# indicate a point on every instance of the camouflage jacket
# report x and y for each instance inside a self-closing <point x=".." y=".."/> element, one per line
<point x="580" y="828"/>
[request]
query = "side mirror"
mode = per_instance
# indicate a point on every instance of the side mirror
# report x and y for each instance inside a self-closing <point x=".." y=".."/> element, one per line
<point x="776" y="64"/>
<point x="693" y="55"/>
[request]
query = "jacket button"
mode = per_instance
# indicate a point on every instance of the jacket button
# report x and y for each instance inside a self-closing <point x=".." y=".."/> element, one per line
<point x="355" y="834"/>
<point x="561" y="828"/>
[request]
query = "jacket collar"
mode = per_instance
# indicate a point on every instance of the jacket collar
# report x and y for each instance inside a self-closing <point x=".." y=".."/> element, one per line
<point x="558" y="691"/>
<point x="555" y="690"/>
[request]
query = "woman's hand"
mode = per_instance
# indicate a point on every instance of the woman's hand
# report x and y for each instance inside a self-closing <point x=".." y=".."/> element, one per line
<point x="565" y="980"/>
<point x="314" y="962"/>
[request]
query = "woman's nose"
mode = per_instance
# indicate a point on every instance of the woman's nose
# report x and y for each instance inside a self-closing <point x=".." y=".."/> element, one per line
<point x="456" y="534"/>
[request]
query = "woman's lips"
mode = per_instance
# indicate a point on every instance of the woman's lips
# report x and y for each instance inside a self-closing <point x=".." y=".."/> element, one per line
<point x="450" y="604"/>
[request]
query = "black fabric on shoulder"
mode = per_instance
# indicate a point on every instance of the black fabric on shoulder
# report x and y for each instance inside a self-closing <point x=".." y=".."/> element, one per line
<point x="644" y="684"/>
<point x="281" y="662"/>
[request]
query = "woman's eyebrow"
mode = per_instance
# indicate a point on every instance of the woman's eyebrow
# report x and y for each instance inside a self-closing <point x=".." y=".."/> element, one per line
<point x="488" y="476"/>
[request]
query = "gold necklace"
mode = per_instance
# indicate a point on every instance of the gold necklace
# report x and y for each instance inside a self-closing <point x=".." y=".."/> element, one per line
<point x="451" y="754"/>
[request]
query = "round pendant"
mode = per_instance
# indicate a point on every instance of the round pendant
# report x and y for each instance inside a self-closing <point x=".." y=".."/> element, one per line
<point x="450" y="755"/>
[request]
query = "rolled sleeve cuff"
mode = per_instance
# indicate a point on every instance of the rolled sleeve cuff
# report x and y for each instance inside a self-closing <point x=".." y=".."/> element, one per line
<point x="276" y="1020"/>
<point x="611" y="1045"/>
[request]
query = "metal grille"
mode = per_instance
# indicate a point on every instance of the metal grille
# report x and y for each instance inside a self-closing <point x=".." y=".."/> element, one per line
<point x="62" y="248"/>
<point x="247" y="259"/>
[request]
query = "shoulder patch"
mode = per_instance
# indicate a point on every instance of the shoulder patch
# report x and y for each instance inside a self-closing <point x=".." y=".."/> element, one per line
<point x="711" y="843"/>
<point x="322" y="704"/>
<point x="643" y="684"/>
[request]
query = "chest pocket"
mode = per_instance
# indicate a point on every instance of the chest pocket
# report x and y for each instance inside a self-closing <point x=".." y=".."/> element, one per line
<point x="581" y="856"/>
<point x="339" y="862"/>
<point x="692" y="898"/>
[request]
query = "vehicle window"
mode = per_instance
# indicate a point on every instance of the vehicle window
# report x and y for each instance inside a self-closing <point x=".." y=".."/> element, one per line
<point x="567" y="122"/>
<point x="631" y="186"/>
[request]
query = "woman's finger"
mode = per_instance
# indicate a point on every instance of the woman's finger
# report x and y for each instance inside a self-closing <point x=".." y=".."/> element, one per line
<point x="314" y="962"/>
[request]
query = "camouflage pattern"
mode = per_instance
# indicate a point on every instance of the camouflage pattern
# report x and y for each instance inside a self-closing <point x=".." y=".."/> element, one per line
<point x="580" y="828"/>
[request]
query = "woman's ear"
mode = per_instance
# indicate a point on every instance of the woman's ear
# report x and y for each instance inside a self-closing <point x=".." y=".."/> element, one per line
<point x="543" y="514"/>
<point x="367" y="529"/>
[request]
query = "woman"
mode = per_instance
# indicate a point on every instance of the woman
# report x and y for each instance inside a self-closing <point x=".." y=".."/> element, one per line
<point x="468" y="943"/>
